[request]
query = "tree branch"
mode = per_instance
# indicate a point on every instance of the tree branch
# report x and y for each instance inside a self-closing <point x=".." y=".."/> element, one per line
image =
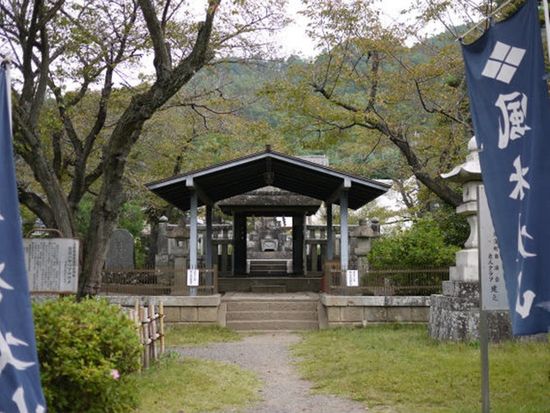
<point x="37" y="206"/>
<point x="162" y="60"/>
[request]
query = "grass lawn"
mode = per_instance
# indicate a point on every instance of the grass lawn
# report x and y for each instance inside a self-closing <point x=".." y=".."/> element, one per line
<point x="399" y="368"/>
<point x="188" y="385"/>
<point x="198" y="335"/>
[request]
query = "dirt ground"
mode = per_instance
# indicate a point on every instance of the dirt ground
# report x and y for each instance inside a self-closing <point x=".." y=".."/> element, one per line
<point x="268" y="355"/>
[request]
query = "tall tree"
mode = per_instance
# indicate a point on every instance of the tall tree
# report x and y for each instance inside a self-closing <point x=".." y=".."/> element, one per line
<point x="67" y="51"/>
<point x="369" y="82"/>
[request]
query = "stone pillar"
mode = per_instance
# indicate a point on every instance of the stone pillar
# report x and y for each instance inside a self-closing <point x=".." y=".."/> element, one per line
<point x="454" y="315"/>
<point x="161" y="257"/>
<point x="363" y="234"/>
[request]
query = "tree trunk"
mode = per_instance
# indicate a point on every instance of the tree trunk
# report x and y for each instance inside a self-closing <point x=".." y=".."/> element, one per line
<point x="435" y="184"/>
<point x="126" y="133"/>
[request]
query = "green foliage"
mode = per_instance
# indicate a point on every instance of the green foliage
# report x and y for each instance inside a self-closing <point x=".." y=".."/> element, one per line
<point x="27" y="219"/>
<point x="81" y="346"/>
<point x="423" y="245"/>
<point x="83" y="215"/>
<point x="132" y="218"/>
<point x="455" y="228"/>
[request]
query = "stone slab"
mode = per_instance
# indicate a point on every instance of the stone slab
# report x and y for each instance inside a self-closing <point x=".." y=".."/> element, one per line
<point x="461" y="289"/>
<point x="120" y="251"/>
<point x="167" y="300"/>
<point x="272" y="315"/>
<point x="377" y="314"/>
<point x="207" y="314"/>
<point x="374" y="301"/>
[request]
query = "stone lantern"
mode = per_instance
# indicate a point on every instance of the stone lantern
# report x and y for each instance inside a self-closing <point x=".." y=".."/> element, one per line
<point x="364" y="233"/>
<point x="469" y="175"/>
<point x="454" y="315"/>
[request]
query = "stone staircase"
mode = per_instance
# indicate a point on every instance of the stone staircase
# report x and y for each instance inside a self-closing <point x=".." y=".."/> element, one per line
<point x="271" y="312"/>
<point x="267" y="267"/>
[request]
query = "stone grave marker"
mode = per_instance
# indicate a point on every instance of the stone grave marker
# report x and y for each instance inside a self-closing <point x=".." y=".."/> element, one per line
<point x="120" y="251"/>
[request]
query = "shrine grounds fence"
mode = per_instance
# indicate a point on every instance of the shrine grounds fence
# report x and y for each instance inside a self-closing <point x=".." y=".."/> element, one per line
<point x="380" y="282"/>
<point x="159" y="281"/>
<point x="389" y="282"/>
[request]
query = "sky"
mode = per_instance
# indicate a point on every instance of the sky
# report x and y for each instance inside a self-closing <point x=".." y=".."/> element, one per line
<point x="293" y="39"/>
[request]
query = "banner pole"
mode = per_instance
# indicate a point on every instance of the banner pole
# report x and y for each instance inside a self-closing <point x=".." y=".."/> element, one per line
<point x="484" y="19"/>
<point x="484" y="352"/>
<point x="6" y="64"/>
<point x="483" y="328"/>
<point x="547" y="26"/>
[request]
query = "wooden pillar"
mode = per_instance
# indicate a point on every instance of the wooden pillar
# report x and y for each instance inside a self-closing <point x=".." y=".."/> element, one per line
<point x="330" y="233"/>
<point x="193" y="237"/>
<point x="344" y="241"/>
<point x="208" y="250"/>
<point x="298" y="244"/>
<point x="224" y="266"/>
<point x="239" y="243"/>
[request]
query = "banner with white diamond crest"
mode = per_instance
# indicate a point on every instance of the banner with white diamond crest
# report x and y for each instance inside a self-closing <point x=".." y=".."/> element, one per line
<point x="511" y="116"/>
<point x="20" y="390"/>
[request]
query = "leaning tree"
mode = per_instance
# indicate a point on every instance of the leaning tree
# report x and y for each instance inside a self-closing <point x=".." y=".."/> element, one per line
<point x="370" y="84"/>
<point x="88" y="76"/>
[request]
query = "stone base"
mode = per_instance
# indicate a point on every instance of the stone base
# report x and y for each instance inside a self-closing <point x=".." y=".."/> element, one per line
<point x="454" y="315"/>
<point x="353" y="311"/>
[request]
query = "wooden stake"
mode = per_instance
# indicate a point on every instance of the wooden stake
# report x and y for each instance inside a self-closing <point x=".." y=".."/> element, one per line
<point x="161" y="326"/>
<point x="152" y="331"/>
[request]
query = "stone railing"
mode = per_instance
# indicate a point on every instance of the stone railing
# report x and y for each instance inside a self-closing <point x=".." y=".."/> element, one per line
<point x="173" y="246"/>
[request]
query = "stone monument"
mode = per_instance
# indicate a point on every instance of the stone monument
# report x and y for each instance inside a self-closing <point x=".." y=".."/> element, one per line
<point x="364" y="233"/>
<point x="120" y="251"/>
<point x="454" y="315"/>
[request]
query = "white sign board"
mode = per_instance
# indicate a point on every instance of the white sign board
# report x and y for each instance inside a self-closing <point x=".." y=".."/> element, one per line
<point x="52" y="264"/>
<point x="192" y="278"/>
<point x="352" y="278"/>
<point x="493" y="289"/>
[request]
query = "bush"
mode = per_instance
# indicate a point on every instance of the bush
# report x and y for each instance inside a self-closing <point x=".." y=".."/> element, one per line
<point x="423" y="245"/>
<point x="82" y="348"/>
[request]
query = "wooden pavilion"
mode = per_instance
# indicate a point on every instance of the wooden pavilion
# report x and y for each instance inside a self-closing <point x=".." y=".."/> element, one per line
<point x="300" y="177"/>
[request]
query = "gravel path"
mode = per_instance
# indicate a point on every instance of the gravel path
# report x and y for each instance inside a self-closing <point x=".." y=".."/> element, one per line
<point x="283" y="391"/>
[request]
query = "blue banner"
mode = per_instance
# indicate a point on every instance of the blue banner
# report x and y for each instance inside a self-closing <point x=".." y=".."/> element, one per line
<point x="20" y="389"/>
<point x="511" y="116"/>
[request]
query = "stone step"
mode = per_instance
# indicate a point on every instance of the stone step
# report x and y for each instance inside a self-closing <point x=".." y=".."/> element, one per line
<point x="268" y="288"/>
<point x="268" y="262"/>
<point x="271" y="325"/>
<point x="272" y="315"/>
<point x="267" y="273"/>
<point x="271" y="306"/>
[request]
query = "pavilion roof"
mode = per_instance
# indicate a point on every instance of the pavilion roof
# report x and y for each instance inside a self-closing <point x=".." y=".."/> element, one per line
<point x="267" y="168"/>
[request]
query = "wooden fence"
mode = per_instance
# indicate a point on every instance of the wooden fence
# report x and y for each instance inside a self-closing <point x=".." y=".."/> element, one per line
<point x="149" y="321"/>
<point x="162" y="281"/>
<point x="387" y="282"/>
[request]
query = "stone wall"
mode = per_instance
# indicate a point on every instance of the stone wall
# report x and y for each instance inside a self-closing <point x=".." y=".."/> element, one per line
<point x="349" y="311"/>
<point x="333" y="311"/>
<point x="181" y="310"/>
<point x="454" y="315"/>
